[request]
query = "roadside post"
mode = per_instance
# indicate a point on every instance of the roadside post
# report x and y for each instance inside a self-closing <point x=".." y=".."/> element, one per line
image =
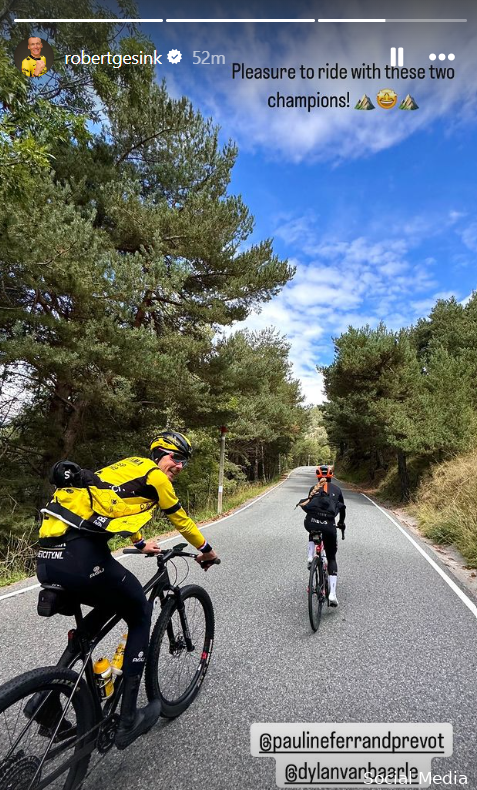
<point x="223" y="431"/>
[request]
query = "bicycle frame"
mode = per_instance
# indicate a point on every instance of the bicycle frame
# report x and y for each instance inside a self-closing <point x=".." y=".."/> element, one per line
<point x="317" y="538"/>
<point x="81" y="646"/>
<point x="100" y="734"/>
<point x="319" y="546"/>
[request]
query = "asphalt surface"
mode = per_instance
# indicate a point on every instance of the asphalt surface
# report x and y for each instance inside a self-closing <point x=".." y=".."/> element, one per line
<point x="399" y="648"/>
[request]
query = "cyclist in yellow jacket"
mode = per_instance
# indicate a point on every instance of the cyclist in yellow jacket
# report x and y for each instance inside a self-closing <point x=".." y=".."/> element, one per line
<point x="86" y="510"/>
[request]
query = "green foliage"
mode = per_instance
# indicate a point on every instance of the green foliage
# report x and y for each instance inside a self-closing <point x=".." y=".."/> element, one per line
<point x="409" y="395"/>
<point x="123" y="254"/>
<point x="312" y="446"/>
<point x="252" y="374"/>
<point x="23" y="158"/>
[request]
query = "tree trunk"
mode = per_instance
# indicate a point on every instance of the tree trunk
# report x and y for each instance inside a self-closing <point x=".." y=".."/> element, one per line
<point x="255" y="466"/>
<point x="56" y="420"/>
<point x="373" y="464"/>
<point x="72" y="429"/>
<point x="403" y="476"/>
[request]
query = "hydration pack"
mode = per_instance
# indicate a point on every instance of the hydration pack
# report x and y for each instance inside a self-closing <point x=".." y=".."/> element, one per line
<point x="83" y="500"/>
<point x="325" y="502"/>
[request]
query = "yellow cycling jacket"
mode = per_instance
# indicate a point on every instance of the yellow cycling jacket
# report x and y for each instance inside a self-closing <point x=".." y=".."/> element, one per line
<point x="118" y="499"/>
<point x="29" y="65"/>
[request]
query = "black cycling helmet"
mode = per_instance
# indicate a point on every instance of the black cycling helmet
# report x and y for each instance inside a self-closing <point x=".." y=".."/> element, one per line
<point x="66" y="473"/>
<point x="169" y="441"/>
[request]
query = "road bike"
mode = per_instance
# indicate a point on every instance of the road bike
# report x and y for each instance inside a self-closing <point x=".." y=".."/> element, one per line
<point x="318" y="585"/>
<point x="53" y="718"/>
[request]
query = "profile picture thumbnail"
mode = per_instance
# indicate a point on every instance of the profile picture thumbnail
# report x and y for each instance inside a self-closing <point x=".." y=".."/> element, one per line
<point x="33" y="56"/>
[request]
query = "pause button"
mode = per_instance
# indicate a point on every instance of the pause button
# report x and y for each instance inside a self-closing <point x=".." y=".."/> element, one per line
<point x="400" y="56"/>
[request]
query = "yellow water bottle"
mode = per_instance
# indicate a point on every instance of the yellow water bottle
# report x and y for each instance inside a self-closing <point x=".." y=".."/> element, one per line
<point x="104" y="677"/>
<point x="118" y="658"/>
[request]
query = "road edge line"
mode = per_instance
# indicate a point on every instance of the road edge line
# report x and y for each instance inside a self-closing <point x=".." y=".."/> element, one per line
<point x="455" y="587"/>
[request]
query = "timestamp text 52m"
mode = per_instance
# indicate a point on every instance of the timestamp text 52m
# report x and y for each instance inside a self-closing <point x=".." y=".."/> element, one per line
<point x="207" y="58"/>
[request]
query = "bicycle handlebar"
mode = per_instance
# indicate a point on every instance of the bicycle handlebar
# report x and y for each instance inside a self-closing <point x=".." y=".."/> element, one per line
<point x="170" y="554"/>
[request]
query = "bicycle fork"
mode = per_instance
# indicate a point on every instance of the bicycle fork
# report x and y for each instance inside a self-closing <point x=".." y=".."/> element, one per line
<point x="175" y="641"/>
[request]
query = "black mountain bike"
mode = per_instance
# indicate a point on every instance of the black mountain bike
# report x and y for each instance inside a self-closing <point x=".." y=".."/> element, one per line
<point x="53" y="718"/>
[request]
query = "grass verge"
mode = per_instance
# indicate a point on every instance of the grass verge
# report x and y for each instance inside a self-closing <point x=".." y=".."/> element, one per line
<point x="446" y="505"/>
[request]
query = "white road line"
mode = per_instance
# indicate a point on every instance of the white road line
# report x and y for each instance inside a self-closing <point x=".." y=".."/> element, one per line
<point x="174" y="537"/>
<point x="463" y="597"/>
<point x="19" y="592"/>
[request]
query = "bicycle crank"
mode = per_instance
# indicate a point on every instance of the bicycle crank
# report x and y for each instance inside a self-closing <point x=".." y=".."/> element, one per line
<point x="107" y="734"/>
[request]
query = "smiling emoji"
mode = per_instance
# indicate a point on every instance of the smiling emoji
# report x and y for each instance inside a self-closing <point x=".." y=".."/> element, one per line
<point x="387" y="98"/>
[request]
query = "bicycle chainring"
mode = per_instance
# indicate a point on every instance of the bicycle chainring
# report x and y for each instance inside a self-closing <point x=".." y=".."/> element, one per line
<point x="107" y="734"/>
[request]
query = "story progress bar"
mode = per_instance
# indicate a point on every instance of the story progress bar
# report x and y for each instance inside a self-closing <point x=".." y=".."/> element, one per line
<point x="201" y="21"/>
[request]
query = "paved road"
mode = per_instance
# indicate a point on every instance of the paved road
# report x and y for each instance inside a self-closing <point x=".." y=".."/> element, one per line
<point x="400" y="648"/>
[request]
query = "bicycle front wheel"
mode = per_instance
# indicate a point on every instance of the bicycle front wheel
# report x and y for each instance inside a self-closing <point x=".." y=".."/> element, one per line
<point x="45" y="731"/>
<point x="175" y="670"/>
<point x="315" y="593"/>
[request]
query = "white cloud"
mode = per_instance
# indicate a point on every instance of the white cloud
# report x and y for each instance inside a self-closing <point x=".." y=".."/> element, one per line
<point x="422" y="307"/>
<point x="333" y="135"/>
<point x="469" y="236"/>
<point x="455" y="216"/>
<point x="467" y="298"/>
<point x="342" y="281"/>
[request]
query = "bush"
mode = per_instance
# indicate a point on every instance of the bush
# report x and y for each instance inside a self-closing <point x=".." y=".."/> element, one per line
<point x="446" y="505"/>
<point x="18" y="558"/>
<point x="418" y="469"/>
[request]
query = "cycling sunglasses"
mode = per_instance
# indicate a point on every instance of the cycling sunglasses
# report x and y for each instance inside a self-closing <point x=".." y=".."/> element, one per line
<point x="178" y="459"/>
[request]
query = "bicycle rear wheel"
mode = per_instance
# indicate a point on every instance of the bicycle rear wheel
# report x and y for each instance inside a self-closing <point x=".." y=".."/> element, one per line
<point x="45" y="745"/>
<point x="175" y="674"/>
<point x="315" y="593"/>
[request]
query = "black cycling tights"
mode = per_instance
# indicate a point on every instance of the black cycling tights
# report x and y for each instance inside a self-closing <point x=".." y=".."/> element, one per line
<point x="86" y="568"/>
<point x="330" y="540"/>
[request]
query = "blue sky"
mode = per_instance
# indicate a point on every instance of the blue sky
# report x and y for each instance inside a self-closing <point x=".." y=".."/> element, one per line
<point x="377" y="210"/>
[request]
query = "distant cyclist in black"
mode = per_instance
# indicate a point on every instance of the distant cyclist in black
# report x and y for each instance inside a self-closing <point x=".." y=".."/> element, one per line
<point x="323" y="503"/>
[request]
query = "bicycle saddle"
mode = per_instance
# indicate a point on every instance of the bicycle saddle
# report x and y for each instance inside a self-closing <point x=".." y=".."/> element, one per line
<point x="54" y="599"/>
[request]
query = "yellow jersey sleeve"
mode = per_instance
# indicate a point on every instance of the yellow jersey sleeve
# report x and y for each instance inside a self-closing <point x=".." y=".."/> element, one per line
<point x="172" y="508"/>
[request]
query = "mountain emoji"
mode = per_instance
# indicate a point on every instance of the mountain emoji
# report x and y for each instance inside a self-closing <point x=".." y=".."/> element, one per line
<point x="364" y="103"/>
<point x="408" y="103"/>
